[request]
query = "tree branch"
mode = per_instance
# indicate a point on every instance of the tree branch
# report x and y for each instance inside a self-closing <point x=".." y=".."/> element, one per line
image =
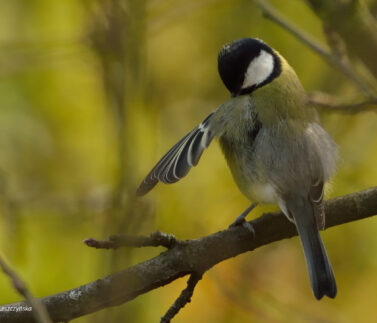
<point x="332" y="59"/>
<point x="193" y="256"/>
<point x="331" y="104"/>
<point x="354" y="23"/>
<point x="183" y="299"/>
<point x="155" y="239"/>
<point x="38" y="309"/>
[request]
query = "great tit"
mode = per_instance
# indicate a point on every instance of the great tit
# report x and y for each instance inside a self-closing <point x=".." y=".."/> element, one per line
<point x="273" y="142"/>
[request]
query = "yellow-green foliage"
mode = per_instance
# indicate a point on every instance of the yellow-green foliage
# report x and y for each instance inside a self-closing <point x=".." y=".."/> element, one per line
<point x="60" y="165"/>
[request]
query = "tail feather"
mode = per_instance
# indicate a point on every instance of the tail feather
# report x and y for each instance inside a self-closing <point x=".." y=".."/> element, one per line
<point x="320" y="271"/>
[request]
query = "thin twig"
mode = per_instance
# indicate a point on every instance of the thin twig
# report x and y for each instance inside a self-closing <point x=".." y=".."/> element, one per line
<point x="331" y="104"/>
<point x="335" y="42"/>
<point x="155" y="239"/>
<point x="342" y="65"/>
<point x="39" y="310"/>
<point x="353" y="21"/>
<point x="182" y="299"/>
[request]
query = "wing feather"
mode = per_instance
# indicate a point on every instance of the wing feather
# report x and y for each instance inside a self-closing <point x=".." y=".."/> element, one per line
<point x="170" y="174"/>
<point x="196" y="148"/>
<point x="177" y="162"/>
<point x="316" y="194"/>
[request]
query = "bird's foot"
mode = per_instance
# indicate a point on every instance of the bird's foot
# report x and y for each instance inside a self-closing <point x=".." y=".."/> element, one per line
<point x="240" y="220"/>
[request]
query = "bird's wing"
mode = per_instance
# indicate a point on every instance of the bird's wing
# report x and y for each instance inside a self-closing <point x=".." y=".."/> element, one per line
<point x="176" y="163"/>
<point x="316" y="198"/>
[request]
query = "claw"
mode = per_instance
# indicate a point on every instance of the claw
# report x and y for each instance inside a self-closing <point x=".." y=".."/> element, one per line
<point x="240" y="220"/>
<point x="249" y="227"/>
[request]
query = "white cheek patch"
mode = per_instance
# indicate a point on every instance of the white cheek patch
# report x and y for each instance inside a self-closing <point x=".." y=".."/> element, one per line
<point x="259" y="69"/>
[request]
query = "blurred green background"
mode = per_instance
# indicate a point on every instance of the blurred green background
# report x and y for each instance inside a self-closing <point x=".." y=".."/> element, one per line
<point x="92" y="93"/>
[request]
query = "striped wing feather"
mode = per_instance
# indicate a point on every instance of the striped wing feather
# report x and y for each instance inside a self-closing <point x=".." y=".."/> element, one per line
<point x="177" y="162"/>
<point x="316" y="198"/>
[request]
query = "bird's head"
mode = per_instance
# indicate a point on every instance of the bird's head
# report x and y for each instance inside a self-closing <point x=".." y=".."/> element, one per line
<point x="247" y="64"/>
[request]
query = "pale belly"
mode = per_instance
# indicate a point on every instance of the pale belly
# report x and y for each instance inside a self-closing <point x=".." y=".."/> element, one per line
<point x="255" y="190"/>
<point x="263" y="193"/>
<point x="249" y="178"/>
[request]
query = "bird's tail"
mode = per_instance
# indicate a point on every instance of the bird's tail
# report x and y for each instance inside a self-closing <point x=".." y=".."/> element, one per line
<point x="320" y="272"/>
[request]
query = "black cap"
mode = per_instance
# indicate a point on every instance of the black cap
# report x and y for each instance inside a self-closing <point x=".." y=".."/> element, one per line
<point x="234" y="59"/>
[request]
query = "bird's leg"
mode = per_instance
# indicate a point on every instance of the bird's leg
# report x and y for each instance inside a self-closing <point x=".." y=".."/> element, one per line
<point x="240" y="220"/>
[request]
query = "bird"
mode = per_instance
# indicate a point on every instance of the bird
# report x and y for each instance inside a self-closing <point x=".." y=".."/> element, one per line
<point x="274" y="144"/>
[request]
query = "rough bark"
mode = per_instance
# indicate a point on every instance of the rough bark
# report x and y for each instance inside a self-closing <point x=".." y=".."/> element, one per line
<point x="188" y="257"/>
